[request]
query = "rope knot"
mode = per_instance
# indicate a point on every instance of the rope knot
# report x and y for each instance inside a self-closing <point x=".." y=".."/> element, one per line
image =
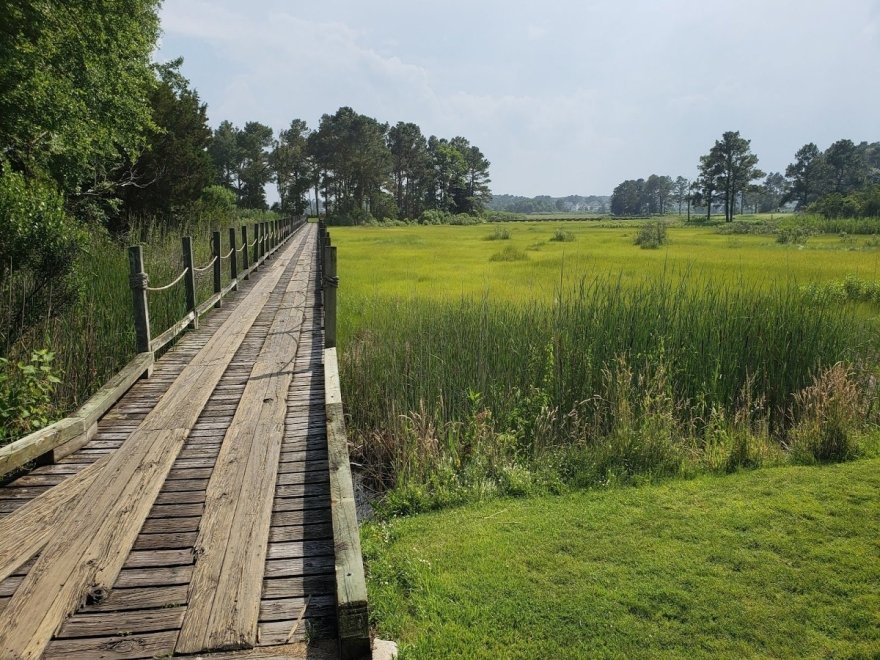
<point x="138" y="280"/>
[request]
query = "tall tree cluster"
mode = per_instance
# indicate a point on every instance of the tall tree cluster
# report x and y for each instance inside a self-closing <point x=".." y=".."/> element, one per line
<point x="842" y="180"/>
<point x="643" y="196"/>
<point x="726" y="173"/>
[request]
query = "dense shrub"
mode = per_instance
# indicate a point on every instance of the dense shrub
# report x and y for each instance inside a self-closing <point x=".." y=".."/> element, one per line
<point x="26" y="389"/>
<point x="499" y="234"/>
<point x="651" y="236"/>
<point x="562" y="236"/>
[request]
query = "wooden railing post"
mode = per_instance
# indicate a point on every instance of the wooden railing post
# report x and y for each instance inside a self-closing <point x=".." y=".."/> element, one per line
<point x="139" y="280"/>
<point x="330" y="284"/>
<point x="189" y="280"/>
<point x="216" y="248"/>
<point x="256" y="244"/>
<point x="233" y="259"/>
<point x="244" y="252"/>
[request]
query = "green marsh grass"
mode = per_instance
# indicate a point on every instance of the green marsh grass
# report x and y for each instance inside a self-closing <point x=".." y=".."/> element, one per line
<point x="464" y="378"/>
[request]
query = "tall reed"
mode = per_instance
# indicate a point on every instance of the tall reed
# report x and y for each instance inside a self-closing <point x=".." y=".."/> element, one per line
<point x="716" y="348"/>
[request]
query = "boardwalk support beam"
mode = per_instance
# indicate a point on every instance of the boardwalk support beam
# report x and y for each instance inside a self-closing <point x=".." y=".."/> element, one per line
<point x="352" y="613"/>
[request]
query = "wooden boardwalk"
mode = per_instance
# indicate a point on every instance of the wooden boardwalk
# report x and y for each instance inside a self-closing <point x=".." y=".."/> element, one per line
<point x="198" y="518"/>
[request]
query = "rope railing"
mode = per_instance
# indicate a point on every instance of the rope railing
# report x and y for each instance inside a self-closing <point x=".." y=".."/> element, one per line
<point x="268" y="237"/>
<point x="206" y="266"/>
<point x="177" y="280"/>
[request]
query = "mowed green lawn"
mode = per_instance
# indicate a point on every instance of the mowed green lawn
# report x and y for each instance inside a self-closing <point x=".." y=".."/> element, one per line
<point x="781" y="562"/>
<point x="448" y="261"/>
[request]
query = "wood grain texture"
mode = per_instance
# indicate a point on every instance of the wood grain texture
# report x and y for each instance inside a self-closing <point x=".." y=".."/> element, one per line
<point x="90" y="543"/>
<point x="224" y="598"/>
<point x="351" y="587"/>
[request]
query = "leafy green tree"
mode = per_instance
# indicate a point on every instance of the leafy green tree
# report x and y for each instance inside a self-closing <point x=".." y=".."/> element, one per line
<point x="351" y="153"/>
<point x="477" y="179"/>
<point x="733" y="167"/>
<point x="75" y="79"/>
<point x="293" y="167"/>
<point x="705" y="186"/>
<point x="771" y="193"/>
<point x="254" y="171"/>
<point x="449" y="183"/>
<point x="680" y="188"/>
<point x="226" y="155"/>
<point x="846" y="168"/>
<point x="628" y="198"/>
<point x="410" y="167"/>
<point x="805" y="176"/>
<point x="174" y="168"/>
<point x="657" y="191"/>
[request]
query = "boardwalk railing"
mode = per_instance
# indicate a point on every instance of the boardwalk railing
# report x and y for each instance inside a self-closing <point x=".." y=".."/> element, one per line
<point x="65" y="436"/>
<point x="352" y="614"/>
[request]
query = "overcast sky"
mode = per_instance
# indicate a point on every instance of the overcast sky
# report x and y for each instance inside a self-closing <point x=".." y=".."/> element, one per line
<point x="563" y="97"/>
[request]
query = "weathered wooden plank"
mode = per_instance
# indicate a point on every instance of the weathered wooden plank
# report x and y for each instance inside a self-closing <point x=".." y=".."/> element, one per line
<point x="351" y="587"/>
<point x="97" y="624"/>
<point x="172" y="557"/>
<point x="224" y="595"/>
<point x="290" y="608"/>
<point x="90" y="545"/>
<point x="310" y="628"/>
<point x="311" y="531"/>
<point x="165" y="540"/>
<point x="148" y="645"/>
<point x="153" y="577"/>
<point x="140" y="598"/>
<point x="300" y="548"/>
<point x="280" y="568"/>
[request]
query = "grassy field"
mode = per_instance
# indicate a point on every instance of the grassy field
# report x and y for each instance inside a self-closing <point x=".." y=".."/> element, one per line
<point x="781" y="562"/>
<point x="440" y="262"/>
<point x="510" y="358"/>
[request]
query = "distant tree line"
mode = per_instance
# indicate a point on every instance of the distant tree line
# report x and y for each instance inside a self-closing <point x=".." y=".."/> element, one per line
<point x="547" y="204"/>
<point x="94" y="136"/>
<point x="844" y="180"/>
<point x="357" y="166"/>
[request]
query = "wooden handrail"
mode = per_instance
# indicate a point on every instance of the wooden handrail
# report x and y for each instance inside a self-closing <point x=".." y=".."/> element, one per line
<point x="69" y="434"/>
<point x="352" y="612"/>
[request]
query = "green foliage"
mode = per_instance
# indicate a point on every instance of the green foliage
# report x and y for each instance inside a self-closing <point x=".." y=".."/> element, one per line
<point x="174" y="168"/>
<point x="858" y="204"/>
<point x="75" y="78"/>
<point x="793" y="235"/>
<point x="651" y="236"/>
<point x="510" y="253"/>
<point x="215" y="202"/>
<point x="26" y="388"/>
<point x="499" y="234"/>
<point x="562" y="236"/>
<point x="37" y="233"/>
<point x="39" y="245"/>
<point x="686" y="568"/>
<point x="293" y="167"/>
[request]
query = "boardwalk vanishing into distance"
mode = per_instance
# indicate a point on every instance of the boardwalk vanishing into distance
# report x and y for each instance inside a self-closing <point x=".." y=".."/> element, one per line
<point x="208" y="510"/>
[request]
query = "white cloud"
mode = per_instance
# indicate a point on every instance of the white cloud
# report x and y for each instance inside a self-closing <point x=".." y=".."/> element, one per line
<point x="572" y="103"/>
